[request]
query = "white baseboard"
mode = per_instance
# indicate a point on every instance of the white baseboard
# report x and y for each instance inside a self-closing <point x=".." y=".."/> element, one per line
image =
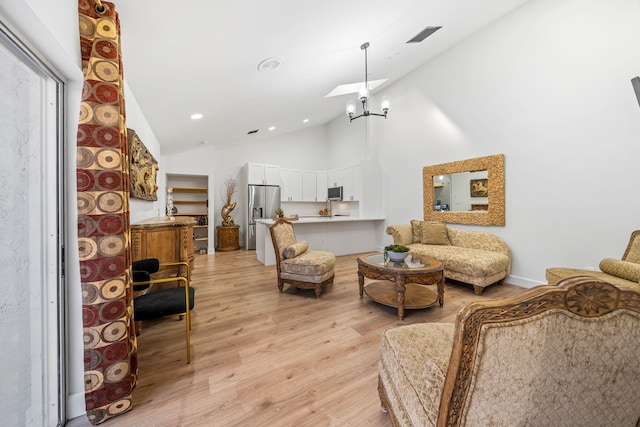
<point x="522" y="281"/>
<point x="75" y="405"/>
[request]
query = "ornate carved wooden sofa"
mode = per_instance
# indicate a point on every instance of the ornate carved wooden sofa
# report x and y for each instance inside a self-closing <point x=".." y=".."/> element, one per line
<point x="473" y="257"/>
<point x="566" y="355"/>
<point x="624" y="273"/>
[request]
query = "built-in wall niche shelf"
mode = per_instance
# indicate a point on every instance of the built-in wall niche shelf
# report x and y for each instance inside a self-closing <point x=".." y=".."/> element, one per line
<point x="191" y="199"/>
<point x="190" y="190"/>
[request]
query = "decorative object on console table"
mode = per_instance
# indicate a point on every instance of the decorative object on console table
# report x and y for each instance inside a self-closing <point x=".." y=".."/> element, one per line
<point x="170" y="207"/>
<point x="228" y="238"/>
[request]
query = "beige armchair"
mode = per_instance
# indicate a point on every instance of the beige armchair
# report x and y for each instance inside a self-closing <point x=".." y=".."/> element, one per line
<point x="565" y="355"/>
<point x="296" y="264"/>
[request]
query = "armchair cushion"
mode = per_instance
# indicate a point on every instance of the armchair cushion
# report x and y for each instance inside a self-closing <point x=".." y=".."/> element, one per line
<point x="310" y="263"/>
<point x="296" y="249"/>
<point x="163" y="303"/>
<point x="414" y="360"/>
<point x="623" y="269"/>
<point x="283" y="238"/>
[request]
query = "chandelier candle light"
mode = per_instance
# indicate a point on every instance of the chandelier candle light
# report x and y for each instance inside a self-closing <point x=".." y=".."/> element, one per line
<point x="364" y="96"/>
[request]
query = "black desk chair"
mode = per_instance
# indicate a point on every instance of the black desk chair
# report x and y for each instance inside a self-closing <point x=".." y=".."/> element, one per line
<point x="162" y="302"/>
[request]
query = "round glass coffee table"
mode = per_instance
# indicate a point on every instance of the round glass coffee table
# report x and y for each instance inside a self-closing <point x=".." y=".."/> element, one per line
<point x="402" y="285"/>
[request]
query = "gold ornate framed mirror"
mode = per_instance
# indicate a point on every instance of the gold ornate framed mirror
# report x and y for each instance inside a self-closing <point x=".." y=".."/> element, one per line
<point x="486" y="172"/>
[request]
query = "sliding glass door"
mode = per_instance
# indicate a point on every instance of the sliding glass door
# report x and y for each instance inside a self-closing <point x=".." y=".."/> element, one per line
<point x="32" y="389"/>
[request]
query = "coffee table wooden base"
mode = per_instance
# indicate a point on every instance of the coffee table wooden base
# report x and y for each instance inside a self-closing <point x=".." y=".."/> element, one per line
<point x="415" y="297"/>
<point x="404" y="284"/>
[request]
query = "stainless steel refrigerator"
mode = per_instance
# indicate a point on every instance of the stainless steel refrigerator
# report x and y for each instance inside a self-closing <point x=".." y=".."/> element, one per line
<point x="263" y="202"/>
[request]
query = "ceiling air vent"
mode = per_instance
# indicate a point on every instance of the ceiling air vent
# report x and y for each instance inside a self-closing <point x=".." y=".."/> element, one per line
<point x="423" y="34"/>
<point x="252" y="131"/>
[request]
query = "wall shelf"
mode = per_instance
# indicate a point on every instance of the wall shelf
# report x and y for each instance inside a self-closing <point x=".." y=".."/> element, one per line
<point x="191" y="198"/>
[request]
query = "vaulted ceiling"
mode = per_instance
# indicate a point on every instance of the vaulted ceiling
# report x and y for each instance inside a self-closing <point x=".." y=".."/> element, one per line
<point x="202" y="56"/>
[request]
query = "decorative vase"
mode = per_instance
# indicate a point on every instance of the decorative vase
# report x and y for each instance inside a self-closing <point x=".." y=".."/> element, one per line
<point x="397" y="256"/>
<point x="170" y="206"/>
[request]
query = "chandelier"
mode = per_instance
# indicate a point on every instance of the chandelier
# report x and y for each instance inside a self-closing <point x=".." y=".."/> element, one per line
<point x="364" y="96"/>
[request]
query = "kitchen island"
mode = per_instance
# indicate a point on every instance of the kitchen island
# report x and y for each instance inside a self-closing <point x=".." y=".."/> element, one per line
<point x="341" y="235"/>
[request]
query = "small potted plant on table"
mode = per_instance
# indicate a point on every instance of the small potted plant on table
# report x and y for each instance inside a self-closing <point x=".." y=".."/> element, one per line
<point x="396" y="253"/>
<point x="280" y="213"/>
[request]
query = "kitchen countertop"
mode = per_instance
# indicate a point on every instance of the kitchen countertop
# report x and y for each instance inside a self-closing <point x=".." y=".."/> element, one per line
<point x="324" y="219"/>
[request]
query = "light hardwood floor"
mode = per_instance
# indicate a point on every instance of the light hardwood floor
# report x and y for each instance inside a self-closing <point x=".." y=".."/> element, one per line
<point x="262" y="358"/>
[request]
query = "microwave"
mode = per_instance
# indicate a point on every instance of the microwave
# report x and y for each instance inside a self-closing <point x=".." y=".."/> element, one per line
<point x="334" y="193"/>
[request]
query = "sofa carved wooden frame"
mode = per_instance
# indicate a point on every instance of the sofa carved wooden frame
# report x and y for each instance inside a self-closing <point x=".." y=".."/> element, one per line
<point x="583" y="296"/>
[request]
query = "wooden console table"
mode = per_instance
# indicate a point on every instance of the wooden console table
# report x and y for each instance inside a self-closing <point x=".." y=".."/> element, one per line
<point x="166" y="239"/>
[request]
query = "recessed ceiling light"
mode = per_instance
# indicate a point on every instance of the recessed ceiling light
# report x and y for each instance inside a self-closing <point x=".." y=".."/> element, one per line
<point x="305" y="121"/>
<point x="196" y="116"/>
<point x="272" y="128"/>
<point x="270" y="64"/>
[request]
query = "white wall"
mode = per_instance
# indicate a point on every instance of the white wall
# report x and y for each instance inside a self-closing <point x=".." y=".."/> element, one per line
<point x="548" y="86"/>
<point x="300" y="150"/>
<point x="143" y="209"/>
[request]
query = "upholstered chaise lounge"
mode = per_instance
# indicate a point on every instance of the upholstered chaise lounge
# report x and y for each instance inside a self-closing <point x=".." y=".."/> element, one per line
<point x="624" y="273"/>
<point x="566" y="355"/>
<point x="473" y="257"/>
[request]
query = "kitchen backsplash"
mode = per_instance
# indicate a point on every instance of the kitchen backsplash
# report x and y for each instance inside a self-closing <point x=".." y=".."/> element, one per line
<point x="314" y="208"/>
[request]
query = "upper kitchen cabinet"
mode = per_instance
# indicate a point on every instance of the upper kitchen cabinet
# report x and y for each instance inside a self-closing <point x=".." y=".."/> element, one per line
<point x="263" y="174"/>
<point x="335" y="177"/>
<point x="352" y="187"/>
<point x="350" y="179"/>
<point x="309" y="179"/>
<point x="321" y="186"/>
<point x="291" y="185"/>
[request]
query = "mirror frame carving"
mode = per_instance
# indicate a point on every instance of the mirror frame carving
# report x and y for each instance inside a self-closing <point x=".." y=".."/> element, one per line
<point x="494" y="165"/>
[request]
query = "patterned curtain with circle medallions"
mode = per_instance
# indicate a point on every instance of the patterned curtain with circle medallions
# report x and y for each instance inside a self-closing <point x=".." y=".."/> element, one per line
<point x="110" y="361"/>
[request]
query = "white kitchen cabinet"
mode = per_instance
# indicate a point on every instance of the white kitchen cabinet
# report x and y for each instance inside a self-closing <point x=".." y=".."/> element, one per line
<point x="309" y="186"/>
<point x="349" y="178"/>
<point x="290" y="185"/>
<point x="263" y="174"/>
<point x="272" y="174"/>
<point x="335" y="177"/>
<point x="321" y="186"/>
<point x="352" y="184"/>
<point x="347" y="183"/>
